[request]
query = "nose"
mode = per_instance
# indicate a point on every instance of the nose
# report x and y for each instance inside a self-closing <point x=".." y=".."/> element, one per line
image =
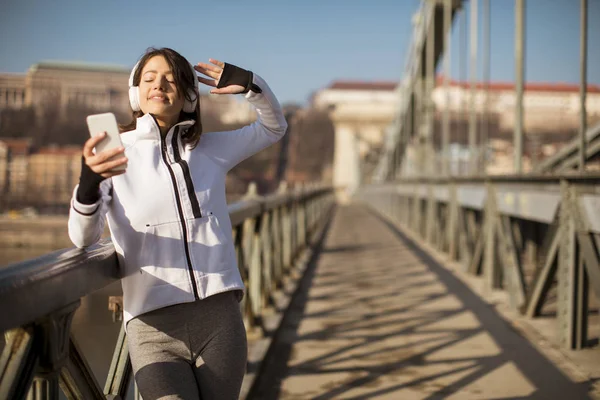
<point x="160" y="83"/>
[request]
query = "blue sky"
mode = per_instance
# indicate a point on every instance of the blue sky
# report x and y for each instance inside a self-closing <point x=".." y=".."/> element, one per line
<point x="297" y="46"/>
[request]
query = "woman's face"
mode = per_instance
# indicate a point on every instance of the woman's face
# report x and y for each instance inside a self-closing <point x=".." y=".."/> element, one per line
<point x="158" y="94"/>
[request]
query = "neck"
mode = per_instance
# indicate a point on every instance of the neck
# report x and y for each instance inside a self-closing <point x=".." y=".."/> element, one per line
<point x="164" y="129"/>
<point x="164" y="124"/>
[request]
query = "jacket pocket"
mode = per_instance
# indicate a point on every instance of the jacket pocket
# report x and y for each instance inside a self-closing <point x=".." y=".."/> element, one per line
<point x="209" y="246"/>
<point x="162" y="253"/>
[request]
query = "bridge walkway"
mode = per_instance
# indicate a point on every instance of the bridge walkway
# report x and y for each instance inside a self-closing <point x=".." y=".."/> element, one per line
<point x="376" y="317"/>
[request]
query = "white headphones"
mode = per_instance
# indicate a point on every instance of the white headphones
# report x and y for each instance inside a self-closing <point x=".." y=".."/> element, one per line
<point x="134" y="93"/>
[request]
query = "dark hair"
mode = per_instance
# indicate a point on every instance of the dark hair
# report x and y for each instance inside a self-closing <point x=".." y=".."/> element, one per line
<point x="184" y="80"/>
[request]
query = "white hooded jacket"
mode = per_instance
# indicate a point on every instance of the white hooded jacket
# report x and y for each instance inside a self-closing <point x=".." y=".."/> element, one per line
<point x="168" y="215"/>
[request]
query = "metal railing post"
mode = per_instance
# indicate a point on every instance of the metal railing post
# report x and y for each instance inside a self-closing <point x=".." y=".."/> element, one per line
<point x="519" y="86"/>
<point x="473" y="153"/>
<point x="583" y="86"/>
<point x="447" y="73"/>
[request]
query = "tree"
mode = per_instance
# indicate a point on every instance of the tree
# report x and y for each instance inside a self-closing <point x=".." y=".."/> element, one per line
<point x="311" y="145"/>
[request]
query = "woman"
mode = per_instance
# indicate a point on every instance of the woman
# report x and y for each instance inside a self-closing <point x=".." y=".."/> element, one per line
<point x="170" y="224"/>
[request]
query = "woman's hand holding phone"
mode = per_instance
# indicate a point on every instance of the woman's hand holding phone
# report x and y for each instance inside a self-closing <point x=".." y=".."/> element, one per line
<point x="102" y="162"/>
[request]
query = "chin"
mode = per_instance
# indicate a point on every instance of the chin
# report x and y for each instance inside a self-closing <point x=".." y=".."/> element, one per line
<point x="162" y="115"/>
<point x="160" y="111"/>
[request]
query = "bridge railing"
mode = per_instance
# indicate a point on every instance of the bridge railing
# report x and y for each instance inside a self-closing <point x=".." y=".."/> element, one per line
<point x="39" y="297"/>
<point x="529" y="235"/>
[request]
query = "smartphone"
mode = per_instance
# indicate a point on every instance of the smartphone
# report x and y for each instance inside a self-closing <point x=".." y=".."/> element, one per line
<point x="106" y="122"/>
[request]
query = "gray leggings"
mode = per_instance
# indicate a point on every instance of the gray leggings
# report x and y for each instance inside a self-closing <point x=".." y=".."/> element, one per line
<point x="190" y="351"/>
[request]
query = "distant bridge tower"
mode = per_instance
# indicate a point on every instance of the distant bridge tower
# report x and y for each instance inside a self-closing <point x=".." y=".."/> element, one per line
<point x="360" y="112"/>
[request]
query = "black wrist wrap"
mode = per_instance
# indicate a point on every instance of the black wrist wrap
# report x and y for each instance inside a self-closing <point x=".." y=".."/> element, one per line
<point x="234" y="75"/>
<point x="88" y="191"/>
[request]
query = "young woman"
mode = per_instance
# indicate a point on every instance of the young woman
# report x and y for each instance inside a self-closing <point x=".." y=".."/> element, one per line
<point x="170" y="224"/>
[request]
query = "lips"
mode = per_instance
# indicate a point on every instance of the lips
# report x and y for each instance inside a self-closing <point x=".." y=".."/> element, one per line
<point x="158" y="97"/>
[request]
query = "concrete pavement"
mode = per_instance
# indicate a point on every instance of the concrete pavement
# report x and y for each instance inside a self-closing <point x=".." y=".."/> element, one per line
<point x="378" y="318"/>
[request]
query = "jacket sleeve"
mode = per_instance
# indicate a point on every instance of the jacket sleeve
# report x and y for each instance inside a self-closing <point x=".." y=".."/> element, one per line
<point x="86" y="221"/>
<point x="231" y="147"/>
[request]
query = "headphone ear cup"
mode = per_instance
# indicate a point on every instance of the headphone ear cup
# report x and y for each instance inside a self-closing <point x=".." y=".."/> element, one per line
<point x="134" y="98"/>
<point x="190" y="106"/>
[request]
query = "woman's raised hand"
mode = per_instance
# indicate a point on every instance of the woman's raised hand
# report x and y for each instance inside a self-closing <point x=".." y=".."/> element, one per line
<point x="101" y="163"/>
<point x="215" y="71"/>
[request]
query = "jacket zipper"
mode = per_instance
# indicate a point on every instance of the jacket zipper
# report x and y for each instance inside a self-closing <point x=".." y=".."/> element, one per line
<point x="163" y="144"/>
<point x="187" y="176"/>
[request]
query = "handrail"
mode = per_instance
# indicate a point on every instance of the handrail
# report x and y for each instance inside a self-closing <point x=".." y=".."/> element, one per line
<point x="36" y="287"/>
<point x="575" y="177"/>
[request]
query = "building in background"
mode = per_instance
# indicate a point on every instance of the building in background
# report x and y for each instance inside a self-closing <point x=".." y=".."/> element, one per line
<point x="100" y="87"/>
<point x="14" y="161"/>
<point x="12" y="91"/>
<point x="548" y="107"/>
<point x="550" y="119"/>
